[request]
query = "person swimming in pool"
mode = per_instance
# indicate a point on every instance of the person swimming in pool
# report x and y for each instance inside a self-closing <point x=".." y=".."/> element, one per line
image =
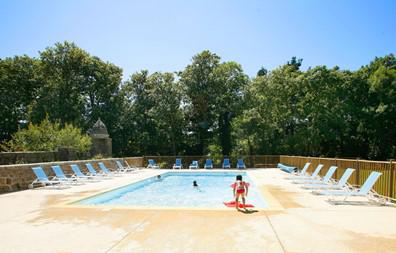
<point x="159" y="178"/>
<point x="240" y="189"/>
<point x="195" y="184"/>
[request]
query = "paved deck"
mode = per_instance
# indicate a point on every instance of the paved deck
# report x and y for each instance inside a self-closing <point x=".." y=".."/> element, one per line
<point x="297" y="221"/>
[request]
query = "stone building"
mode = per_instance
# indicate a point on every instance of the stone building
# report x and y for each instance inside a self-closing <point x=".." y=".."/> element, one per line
<point x="101" y="142"/>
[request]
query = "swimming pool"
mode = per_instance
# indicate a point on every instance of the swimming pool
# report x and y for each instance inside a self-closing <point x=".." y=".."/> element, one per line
<point x="175" y="189"/>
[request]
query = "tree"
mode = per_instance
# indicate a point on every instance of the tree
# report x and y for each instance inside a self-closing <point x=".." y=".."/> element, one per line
<point x="230" y="82"/>
<point x="153" y="120"/>
<point x="166" y="112"/>
<point x="198" y="80"/>
<point x="381" y="107"/>
<point x="20" y="79"/>
<point x="135" y="123"/>
<point x="77" y="88"/>
<point x="295" y="63"/>
<point x="262" y="72"/>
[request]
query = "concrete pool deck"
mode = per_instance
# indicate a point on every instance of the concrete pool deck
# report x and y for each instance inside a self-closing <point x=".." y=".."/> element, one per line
<point x="297" y="221"/>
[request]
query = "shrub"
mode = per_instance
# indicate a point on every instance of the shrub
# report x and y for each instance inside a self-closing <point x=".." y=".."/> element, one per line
<point x="48" y="136"/>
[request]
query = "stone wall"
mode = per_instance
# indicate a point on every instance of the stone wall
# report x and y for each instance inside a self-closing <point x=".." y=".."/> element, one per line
<point x="63" y="154"/>
<point x="18" y="176"/>
<point x="27" y="157"/>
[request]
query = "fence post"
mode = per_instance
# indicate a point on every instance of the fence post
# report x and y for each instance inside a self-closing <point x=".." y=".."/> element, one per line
<point x="336" y="172"/>
<point x="392" y="180"/>
<point x="357" y="171"/>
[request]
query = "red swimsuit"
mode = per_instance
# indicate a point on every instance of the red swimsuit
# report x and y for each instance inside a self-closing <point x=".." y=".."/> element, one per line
<point x="240" y="186"/>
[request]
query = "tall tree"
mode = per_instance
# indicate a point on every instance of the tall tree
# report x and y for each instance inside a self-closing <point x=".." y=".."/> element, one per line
<point x="136" y="124"/>
<point x="230" y="82"/>
<point x="166" y="112"/>
<point x="199" y="82"/>
<point x="381" y="108"/>
<point x="20" y="79"/>
<point x="153" y="120"/>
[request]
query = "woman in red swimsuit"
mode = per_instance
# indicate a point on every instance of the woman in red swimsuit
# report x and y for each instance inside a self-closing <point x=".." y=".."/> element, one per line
<point x="240" y="189"/>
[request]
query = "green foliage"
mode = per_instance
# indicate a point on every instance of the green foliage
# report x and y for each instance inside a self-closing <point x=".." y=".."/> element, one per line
<point x="262" y="72"/>
<point x="210" y="107"/>
<point x="199" y="82"/>
<point x="214" y="94"/>
<point x="77" y="88"/>
<point x="19" y="83"/>
<point x="153" y="120"/>
<point x="48" y="136"/>
<point x="322" y="111"/>
<point x="215" y="153"/>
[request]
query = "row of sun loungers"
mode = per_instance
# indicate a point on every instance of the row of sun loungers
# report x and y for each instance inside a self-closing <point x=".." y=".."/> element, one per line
<point x="61" y="180"/>
<point x="327" y="186"/>
<point x="194" y="164"/>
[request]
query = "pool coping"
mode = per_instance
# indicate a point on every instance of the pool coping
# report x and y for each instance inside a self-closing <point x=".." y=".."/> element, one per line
<point x="273" y="203"/>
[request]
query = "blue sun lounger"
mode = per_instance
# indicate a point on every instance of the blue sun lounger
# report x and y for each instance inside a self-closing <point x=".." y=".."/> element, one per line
<point x="342" y="183"/>
<point x="208" y="164"/>
<point x="43" y="180"/>
<point x="285" y="168"/>
<point x="178" y="164"/>
<point x="226" y="163"/>
<point x="92" y="172"/>
<point x="62" y="177"/>
<point x="152" y="165"/>
<point x="324" y="180"/>
<point x="194" y="165"/>
<point x="107" y="171"/>
<point x="77" y="172"/>
<point x="240" y="164"/>
<point x="124" y="169"/>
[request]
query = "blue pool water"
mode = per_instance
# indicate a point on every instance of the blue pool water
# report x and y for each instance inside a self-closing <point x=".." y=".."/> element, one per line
<point x="175" y="190"/>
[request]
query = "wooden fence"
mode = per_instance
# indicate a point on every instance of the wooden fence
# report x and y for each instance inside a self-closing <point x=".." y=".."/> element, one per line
<point x="384" y="186"/>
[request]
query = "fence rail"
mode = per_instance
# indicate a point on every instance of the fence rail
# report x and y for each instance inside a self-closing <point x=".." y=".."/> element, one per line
<point x="384" y="186"/>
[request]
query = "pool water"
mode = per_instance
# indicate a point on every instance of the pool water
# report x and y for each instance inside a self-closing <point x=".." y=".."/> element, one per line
<point x="175" y="189"/>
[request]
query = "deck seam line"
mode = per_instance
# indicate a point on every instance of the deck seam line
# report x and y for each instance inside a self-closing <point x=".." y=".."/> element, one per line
<point x="125" y="236"/>
<point x="276" y="234"/>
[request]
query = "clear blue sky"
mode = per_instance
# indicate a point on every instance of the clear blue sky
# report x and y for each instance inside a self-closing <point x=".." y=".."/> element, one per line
<point x="164" y="35"/>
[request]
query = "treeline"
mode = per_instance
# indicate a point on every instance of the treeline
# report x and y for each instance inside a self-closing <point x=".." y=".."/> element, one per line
<point x="209" y="108"/>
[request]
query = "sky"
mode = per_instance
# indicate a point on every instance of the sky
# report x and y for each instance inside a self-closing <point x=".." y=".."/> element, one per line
<point x="165" y="35"/>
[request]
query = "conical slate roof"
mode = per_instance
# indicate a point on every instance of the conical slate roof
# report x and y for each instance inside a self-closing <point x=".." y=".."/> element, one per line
<point x="99" y="130"/>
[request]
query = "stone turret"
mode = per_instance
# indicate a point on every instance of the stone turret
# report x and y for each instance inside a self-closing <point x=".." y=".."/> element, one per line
<point x="101" y="142"/>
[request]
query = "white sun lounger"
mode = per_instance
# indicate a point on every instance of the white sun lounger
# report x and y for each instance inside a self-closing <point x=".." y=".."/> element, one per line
<point x="303" y="172"/>
<point x="313" y="176"/>
<point x="325" y="179"/>
<point x="364" y="191"/>
<point x="335" y="186"/>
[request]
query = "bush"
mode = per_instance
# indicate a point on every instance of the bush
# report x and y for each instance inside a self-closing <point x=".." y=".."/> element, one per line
<point x="48" y="136"/>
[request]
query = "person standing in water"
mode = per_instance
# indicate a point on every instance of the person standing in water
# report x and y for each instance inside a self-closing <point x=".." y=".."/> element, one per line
<point x="240" y="189"/>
